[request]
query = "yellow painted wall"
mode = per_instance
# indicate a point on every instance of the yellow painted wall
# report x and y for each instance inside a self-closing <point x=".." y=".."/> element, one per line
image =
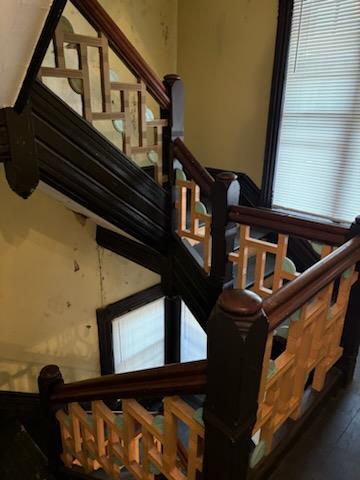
<point x="151" y="26"/>
<point x="52" y="278"/>
<point x="225" y="57"/>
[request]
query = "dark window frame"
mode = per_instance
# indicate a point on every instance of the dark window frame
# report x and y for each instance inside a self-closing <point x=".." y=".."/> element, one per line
<point x="106" y="315"/>
<point x="276" y="99"/>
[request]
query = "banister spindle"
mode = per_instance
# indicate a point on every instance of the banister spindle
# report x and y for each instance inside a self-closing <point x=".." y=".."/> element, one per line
<point x="226" y="191"/>
<point x="351" y="332"/>
<point x="237" y="335"/>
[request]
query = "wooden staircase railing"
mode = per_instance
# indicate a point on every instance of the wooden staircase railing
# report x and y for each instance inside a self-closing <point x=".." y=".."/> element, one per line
<point x="251" y="392"/>
<point x="137" y="130"/>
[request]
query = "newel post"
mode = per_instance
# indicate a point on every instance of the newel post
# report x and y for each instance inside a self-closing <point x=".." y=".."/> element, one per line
<point x="225" y="192"/>
<point x="237" y="335"/>
<point x="351" y="333"/>
<point x="175" y="117"/>
<point x="49" y="378"/>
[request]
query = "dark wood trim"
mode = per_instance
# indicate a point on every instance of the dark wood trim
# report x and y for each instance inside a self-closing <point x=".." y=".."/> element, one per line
<point x="193" y="168"/>
<point x="237" y="335"/>
<point x="276" y="99"/>
<point x="49" y="378"/>
<point x="249" y="191"/>
<point x="225" y="191"/>
<point x="46" y="35"/>
<point x="130" y="249"/>
<point x="319" y="230"/>
<point x="191" y="282"/>
<point x="22" y="167"/>
<point x="94" y="173"/>
<point x="102" y="22"/>
<point x="350" y="340"/>
<point x="176" y="379"/>
<point x="106" y="315"/>
<point x="4" y="138"/>
<point x="172" y="308"/>
<point x="296" y="428"/>
<point x="292" y="296"/>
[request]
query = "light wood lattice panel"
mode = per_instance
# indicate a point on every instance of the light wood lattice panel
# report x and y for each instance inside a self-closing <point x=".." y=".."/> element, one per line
<point x="248" y="247"/>
<point x="79" y="80"/>
<point x="192" y="212"/>
<point x="313" y="345"/>
<point x="144" y="443"/>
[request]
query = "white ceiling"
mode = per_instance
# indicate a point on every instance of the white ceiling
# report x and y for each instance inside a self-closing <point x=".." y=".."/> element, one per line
<point x="21" y="22"/>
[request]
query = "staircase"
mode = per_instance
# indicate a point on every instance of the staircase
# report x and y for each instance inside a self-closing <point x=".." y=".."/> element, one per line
<point x="276" y="293"/>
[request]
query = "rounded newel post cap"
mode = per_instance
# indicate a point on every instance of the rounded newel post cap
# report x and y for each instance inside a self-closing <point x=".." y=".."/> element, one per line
<point x="171" y="78"/>
<point x="357" y="220"/>
<point x="50" y="372"/>
<point x="241" y="303"/>
<point x="226" y="177"/>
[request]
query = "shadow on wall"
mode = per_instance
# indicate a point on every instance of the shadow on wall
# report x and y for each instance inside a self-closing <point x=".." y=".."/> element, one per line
<point x="20" y="366"/>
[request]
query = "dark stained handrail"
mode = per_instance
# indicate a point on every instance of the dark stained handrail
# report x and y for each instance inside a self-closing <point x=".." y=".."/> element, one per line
<point x="295" y="294"/>
<point x="175" y="379"/>
<point x="290" y="224"/>
<point x="193" y="168"/>
<point x="102" y="22"/>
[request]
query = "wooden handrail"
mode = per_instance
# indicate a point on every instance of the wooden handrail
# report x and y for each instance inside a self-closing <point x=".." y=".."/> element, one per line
<point x="101" y="21"/>
<point x="291" y="224"/>
<point x="175" y="379"/>
<point x="295" y="294"/>
<point x="193" y="168"/>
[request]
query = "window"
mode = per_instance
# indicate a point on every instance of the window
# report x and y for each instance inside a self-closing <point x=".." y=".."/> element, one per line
<point x="193" y="337"/>
<point x="131" y="332"/>
<point x="138" y="338"/>
<point x="317" y="167"/>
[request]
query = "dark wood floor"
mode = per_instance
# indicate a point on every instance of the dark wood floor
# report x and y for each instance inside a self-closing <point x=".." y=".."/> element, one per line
<point x="330" y="448"/>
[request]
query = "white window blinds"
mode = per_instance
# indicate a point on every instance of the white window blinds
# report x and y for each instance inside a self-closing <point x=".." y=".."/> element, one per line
<point x="318" y="157"/>
<point x="138" y="338"/>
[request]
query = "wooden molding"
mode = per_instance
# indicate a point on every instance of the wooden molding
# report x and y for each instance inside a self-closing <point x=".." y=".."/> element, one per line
<point x="94" y="173"/>
<point x="276" y="99"/>
<point x="176" y="379"/>
<point x="126" y="247"/>
<point x="290" y="224"/>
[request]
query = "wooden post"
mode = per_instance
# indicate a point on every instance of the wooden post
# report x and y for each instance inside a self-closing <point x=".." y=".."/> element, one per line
<point x="175" y="129"/>
<point x="225" y="192"/>
<point x="237" y="334"/>
<point x="175" y="118"/>
<point x="172" y="329"/>
<point x="49" y="378"/>
<point x="351" y="334"/>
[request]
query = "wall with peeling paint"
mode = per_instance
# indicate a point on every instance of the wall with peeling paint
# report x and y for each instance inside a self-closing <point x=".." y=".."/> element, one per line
<point x="53" y="276"/>
<point x="225" y="57"/>
<point x="151" y="26"/>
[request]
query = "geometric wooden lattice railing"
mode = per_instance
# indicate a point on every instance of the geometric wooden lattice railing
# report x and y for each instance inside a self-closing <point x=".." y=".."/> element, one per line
<point x="313" y="346"/>
<point x="143" y="443"/>
<point x="93" y="74"/>
<point x="146" y="443"/>
<point x="308" y="312"/>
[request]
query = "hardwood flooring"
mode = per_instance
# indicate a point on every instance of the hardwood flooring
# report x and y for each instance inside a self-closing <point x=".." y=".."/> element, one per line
<point x="330" y="448"/>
